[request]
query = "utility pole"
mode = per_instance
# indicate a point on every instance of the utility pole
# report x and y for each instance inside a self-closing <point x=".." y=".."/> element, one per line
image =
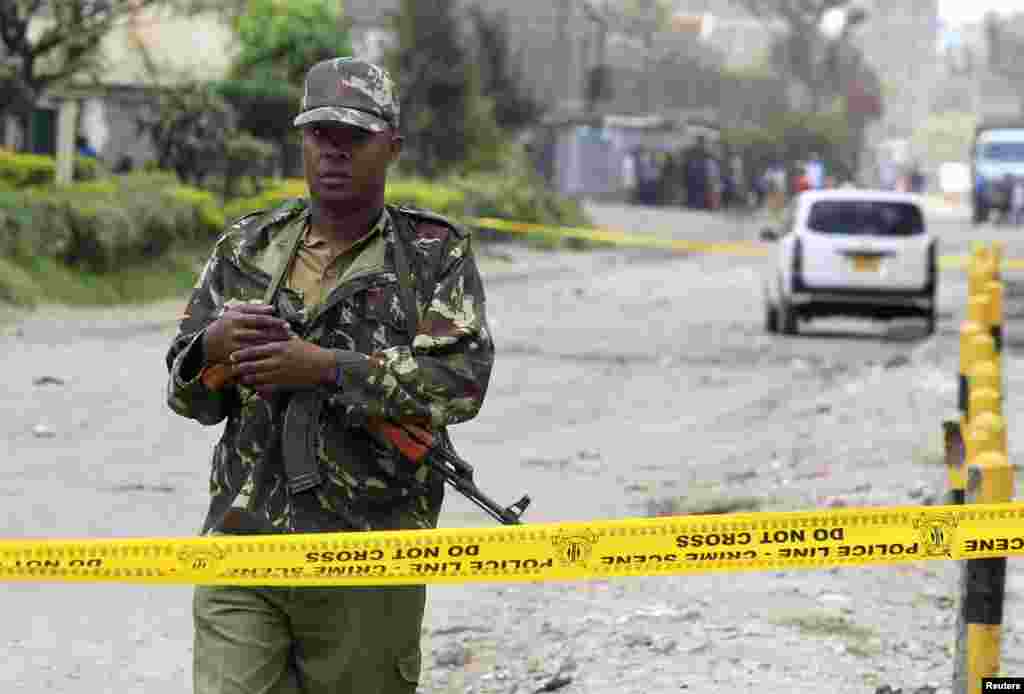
<point x="565" y="44"/>
<point x="649" y="9"/>
<point x="598" y="75"/>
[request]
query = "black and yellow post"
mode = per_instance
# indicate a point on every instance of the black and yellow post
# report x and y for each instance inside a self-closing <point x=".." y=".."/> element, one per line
<point x="953" y="438"/>
<point x="973" y="327"/>
<point x="990" y="479"/>
<point x="982" y="373"/>
<point x="982" y="584"/>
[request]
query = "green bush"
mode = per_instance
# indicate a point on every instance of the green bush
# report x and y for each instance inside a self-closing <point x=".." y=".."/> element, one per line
<point x="442" y="198"/>
<point x="20" y="170"/>
<point x="517" y="197"/>
<point x="100" y="225"/>
<point x="121" y="222"/>
<point x="275" y="193"/>
<point x="87" y="168"/>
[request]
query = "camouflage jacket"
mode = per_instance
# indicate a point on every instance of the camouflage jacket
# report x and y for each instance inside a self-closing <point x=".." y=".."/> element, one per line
<point x="440" y="374"/>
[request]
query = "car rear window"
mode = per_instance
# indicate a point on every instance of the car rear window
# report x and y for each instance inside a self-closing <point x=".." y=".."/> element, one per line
<point x="866" y="218"/>
<point x="1002" y="151"/>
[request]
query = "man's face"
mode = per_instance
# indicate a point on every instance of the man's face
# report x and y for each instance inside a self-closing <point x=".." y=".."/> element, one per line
<point x="347" y="165"/>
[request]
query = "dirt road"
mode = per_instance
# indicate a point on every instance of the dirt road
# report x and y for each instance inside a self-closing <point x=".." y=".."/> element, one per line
<point x="627" y="383"/>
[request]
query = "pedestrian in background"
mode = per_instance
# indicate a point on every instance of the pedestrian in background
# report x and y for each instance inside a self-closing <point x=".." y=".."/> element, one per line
<point x="775" y="185"/>
<point x="715" y="184"/>
<point x="647" y="176"/>
<point x="386" y="318"/>
<point x="801" y="181"/>
<point x="696" y="173"/>
<point x="815" y="172"/>
<point x="628" y="174"/>
<point x="83" y="148"/>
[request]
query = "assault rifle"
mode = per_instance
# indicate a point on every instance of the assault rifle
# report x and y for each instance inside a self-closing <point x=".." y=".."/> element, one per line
<point x="420" y="447"/>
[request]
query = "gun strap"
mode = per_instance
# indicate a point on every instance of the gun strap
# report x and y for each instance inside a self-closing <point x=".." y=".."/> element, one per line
<point x="304" y="409"/>
<point x="301" y="410"/>
<point x="282" y="272"/>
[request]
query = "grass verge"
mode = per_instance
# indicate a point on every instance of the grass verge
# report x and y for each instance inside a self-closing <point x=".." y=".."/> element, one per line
<point x="703" y="505"/>
<point x="43" y="280"/>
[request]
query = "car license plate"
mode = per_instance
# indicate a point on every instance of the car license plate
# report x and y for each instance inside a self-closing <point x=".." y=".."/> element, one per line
<point x="866" y="263"/>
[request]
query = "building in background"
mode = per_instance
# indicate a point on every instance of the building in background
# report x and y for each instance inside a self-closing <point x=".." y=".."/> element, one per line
<point x="969" y="84"/>
<point x="105" y="108"/>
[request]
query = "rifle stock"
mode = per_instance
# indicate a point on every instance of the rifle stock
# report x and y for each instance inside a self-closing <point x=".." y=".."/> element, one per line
<point x="215" y="376"/>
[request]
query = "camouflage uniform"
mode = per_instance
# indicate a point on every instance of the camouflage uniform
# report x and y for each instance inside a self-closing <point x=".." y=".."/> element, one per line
<point x="439" y="374"/>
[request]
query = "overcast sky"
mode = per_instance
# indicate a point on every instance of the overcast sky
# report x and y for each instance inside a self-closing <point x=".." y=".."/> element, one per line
<point x="956" y="11"/>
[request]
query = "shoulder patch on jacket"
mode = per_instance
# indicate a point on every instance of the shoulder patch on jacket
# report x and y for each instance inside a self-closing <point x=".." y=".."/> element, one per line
<point x="429" y="217"/>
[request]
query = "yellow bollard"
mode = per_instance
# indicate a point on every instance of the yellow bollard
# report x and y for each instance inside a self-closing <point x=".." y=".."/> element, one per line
<point x="979" y="309"/>
<point x="986" y="435"/>
<point x="984" y="398"/>
<point x="984" y="370"/>
<point x="979" y="271"/>
<point x="998" y="253"/>
<point x="980" y="431"/>
<point x="984" y="374"/>
<point x="982" y="349"/>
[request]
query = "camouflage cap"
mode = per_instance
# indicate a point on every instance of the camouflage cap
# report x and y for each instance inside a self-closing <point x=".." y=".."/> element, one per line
<point x="350" y="91"/>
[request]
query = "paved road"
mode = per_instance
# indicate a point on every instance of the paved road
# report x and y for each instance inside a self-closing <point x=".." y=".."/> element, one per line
<point x="627" y="382"/>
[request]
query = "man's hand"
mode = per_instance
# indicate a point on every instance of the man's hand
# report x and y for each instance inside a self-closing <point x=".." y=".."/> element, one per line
<point x="241" y="326"/>
<point x="290" y="365"/>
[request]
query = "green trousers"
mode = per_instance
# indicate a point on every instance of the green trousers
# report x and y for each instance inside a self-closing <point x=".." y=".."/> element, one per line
<point x="342" y="640"/>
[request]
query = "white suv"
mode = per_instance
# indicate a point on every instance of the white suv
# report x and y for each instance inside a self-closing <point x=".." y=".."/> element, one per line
<point x="857" y="253"/>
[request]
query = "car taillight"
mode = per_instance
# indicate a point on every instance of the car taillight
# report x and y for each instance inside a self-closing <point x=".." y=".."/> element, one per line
<point x="798" y="264"/>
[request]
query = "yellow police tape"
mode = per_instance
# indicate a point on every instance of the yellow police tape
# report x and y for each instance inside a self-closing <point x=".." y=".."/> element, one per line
<point x="541" y="552"/>
<point x="621" y="238"/>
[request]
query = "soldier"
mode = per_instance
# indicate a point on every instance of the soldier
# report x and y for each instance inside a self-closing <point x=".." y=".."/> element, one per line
<point x="307" y="320"/>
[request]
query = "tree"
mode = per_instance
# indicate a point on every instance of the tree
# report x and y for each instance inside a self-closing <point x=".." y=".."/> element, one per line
<point x="278" y="43"/>
<point x="817" y="52"/>
<point x="805" y="53"/>
<point x="447" y="121"/>
<point x="513" y="107"/>
<point x="281" y="40"/>
<point x="187" y="128"/>
<point x="63" y="42"/>
<point x="194" y="132"/>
